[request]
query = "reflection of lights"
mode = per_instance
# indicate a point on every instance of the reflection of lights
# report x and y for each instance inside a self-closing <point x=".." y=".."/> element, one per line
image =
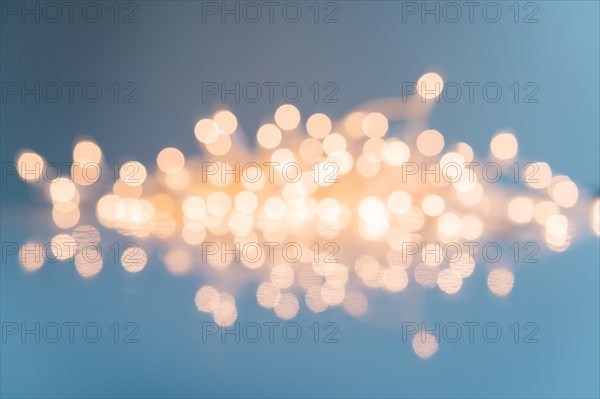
<point x="333" y="293"/>
<point x="220" y="304"/>
<point x="268" y="295"/>
<point x="349" y="181"/>
<point x="500" y="281"/>
<point x="355" y="303"/>
<point x="287" y="307"/>
<point x="31" y="256"/>
<point x="207" y="299"/>
<point x="395" y="279"/>
<point x="88" y="262"/>
<point x="426" y="276"/>
<point x="282" y="276"/>
<point x="424" y="344"/>
<point x="464" y="265"/>
<point x="86" y="235"/>
<point x="134" y="259"/>
<point x="314" y="300"/>
<point x="449" y="281"/>
<point x="177" y="261"/>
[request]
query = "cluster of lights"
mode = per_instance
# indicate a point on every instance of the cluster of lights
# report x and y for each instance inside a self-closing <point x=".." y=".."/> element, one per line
<point x="346" y="189"/>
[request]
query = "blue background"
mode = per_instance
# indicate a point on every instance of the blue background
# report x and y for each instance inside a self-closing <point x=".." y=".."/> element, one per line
<point x="368" y="54"/>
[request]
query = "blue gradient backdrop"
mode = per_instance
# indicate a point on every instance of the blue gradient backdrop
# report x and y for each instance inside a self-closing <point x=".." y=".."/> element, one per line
<point x="368" y="54"/>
